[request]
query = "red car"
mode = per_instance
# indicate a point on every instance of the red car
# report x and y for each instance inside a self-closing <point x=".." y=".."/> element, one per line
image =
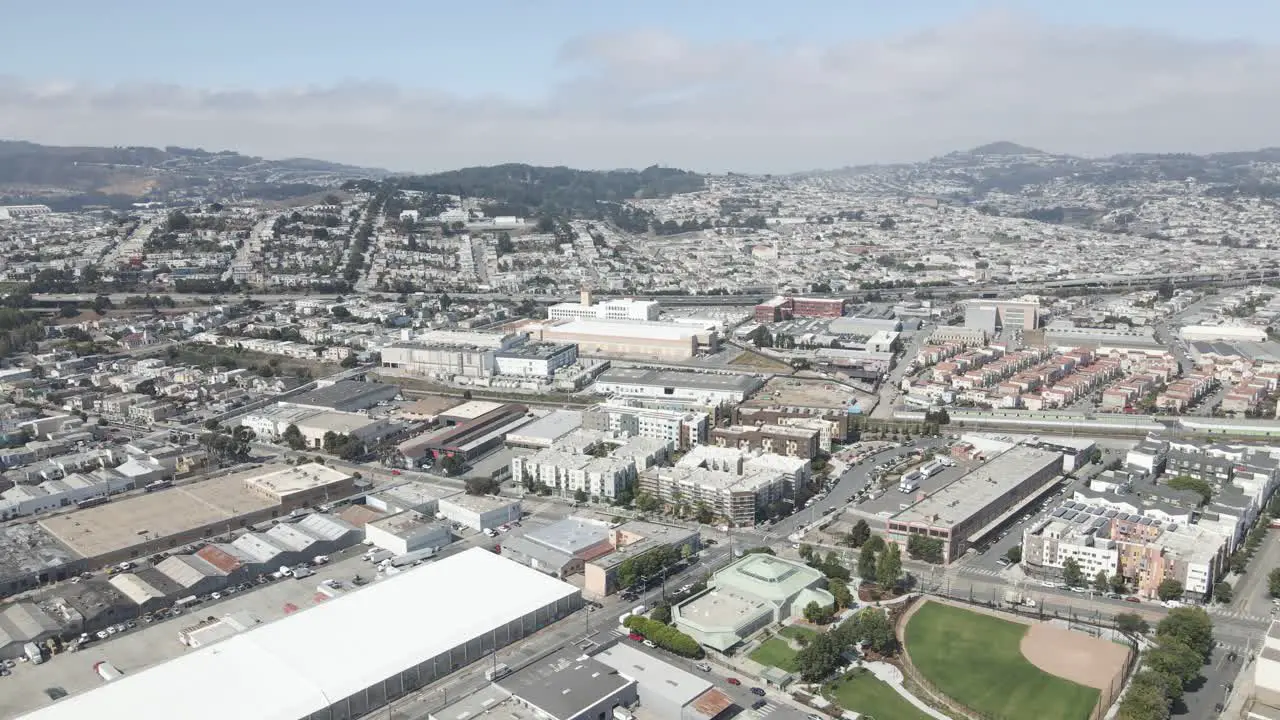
<point x="1132" y="599"/>
<point x="733" y="681"/>
<point x="635" y="636"/>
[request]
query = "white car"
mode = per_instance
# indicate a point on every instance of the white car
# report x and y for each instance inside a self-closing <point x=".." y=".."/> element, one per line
<point x="649" y="644"/>
<point x="102" y="634"/>
<point x="216" y="595"/>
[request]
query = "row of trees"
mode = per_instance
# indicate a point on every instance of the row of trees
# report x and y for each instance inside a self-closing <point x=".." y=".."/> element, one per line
<point x="880" y="562"/>
<point x="1184" y="639"/>
<point x="664" y="636"/>
<point x="647" y="565"/>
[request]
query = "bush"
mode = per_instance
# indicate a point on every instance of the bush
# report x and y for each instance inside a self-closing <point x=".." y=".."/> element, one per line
<point x="665" y="636"/>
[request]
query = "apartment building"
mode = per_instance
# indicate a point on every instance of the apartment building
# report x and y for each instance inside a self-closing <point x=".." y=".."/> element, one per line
<point x="623" y="417"/>
<point x="626" y="309"/>
<point x="567" y="473"/>
<point x="779" y="439"/>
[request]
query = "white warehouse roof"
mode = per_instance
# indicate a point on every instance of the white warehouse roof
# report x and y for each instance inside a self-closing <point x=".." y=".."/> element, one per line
<point x="303" y="663"/>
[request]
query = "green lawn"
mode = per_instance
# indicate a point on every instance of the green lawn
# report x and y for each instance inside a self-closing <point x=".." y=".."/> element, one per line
<point x="795" y="632"/>
<point x="864" y="693"/>
<point x="776" y="653"/>
<point x="975" y="659"/>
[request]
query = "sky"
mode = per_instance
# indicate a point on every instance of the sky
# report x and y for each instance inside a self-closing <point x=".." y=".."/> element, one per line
<point x="709" y="85"/>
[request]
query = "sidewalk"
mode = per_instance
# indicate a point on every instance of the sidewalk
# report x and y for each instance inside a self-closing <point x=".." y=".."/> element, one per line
<point x="893" y="676"/>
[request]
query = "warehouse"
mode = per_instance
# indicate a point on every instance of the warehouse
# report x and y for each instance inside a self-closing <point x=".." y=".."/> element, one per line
<point x="674" y="384"/>
<point x="407" y="532"/>
<point x="346" y="396"/>
<point x="963" y="512"/>
<point x="634" y="340"/>
<point x="480" y="512"/>
<point x="535" y="360"/>
<point x="346" y="657"/>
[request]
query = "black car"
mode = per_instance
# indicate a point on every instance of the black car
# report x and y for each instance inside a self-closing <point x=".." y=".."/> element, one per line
<point x="757" y="691"/>
<point x="759" y="704"/>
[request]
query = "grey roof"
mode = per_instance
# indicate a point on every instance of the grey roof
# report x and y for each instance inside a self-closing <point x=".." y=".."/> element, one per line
<point x="325" y="527"/>
<point x="678" y="378"/>
<point x="290" y="538"/>
<point x="570" y="535"/>
<point x="186" y="570"/>
<point x="346" y="393"/>
<point x="28" y="621"/>
<point x="654" y="675"/>
<point x="564" y="685"/>
<point x="547" y="559"/>
<point x="540" y="351"/>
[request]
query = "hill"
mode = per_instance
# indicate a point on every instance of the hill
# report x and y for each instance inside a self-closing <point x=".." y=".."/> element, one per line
<point x="1004" y="147"/>
<point x="66" y="177"/>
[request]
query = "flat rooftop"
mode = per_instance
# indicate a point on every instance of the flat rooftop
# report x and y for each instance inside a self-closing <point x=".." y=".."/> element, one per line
<point x="479" y="503"/>
<point x="767" y="577"/>
<point x="722" y="607"/>
<point x="548" y="428"/>
<point x="287" y="481"/>
<point x="297" y="665"/>
<point x="121" y="524"/>
<point x="29" y="548"/>
<point x="534" y="351"/>
<point x="564" y="684"/>
<point x="676" y="378"/>
<point x="488" y="703"/>
<point x="653" y="674"/>
<point x="962" y="499"/>
<point x="630" y="329"/>
<point x="471" y="410"/>
<point x="570" y="535"/>
<point x="345" y="392"/>
<point x="792" y="392"/>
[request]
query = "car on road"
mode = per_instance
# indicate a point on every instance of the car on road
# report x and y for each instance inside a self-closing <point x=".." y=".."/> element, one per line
<point x="1132" y="599"/>
<point x="757" y="691"/>
<point x="759" y="704"/>
<point x="733" y="681"/>
<point x="704" y="667"/>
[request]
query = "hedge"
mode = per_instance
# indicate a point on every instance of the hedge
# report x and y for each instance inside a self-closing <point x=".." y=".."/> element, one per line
<point x="665" y="636"/>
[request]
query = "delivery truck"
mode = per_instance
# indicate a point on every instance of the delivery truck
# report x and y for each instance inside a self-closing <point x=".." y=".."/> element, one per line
<point x="410" y="559"/>
<point x="32" y="651"/>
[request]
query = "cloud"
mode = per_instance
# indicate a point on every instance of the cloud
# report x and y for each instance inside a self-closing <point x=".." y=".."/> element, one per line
<point x="650" y="96"/>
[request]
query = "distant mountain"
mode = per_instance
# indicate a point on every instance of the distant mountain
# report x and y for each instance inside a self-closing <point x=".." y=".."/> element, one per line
<point x="1004" y="147"/>
<point x="67" y="176"/>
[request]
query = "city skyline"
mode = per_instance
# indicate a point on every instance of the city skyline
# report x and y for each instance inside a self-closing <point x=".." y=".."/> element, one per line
<point x="714" y="88"/>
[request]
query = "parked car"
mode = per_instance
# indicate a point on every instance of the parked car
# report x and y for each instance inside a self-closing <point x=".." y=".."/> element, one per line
<point x="635" y="636"/>
<point x="733" y="681"/>
<point x="649" y="644"/>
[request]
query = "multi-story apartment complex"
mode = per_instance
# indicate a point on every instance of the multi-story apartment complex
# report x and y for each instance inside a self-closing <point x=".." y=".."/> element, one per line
<point x="779" y="439"/>
<point x="619" y="309"/>
<point x="630" y="418"/>
<point x="732" y="496"/>
<point x="785" y="308"/>
<point x="567" y="473"/>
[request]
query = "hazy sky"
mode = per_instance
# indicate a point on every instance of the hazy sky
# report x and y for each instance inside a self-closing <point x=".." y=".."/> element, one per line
<point x="706" y="84"/>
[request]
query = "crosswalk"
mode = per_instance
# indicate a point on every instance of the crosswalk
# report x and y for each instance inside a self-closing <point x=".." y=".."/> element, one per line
<point x="980" y="571"/>
<point x="1237" y="615"/>
<point x="764" y="710"/>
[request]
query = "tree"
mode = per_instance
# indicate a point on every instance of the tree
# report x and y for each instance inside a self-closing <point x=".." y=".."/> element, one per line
<point x="1169" y="589"/>
<point x="292" y="437"/>
<point x="889" y="567"/>
<point x="817" y="614"/>
<point x="1148" y="698"/>
<point x="806" y="551"/>
<point x="1273" y="583"/>
<point x="817" y="660"/>
<point x="1222" y="591"/>
<point x="876" y="631"/>
<point x="646" y="503"/>
<point x="69" y="310"/>
<point x="876" y="542"/>
<point x="925" y="548"/>
<point x="661" y="613"/>
<point x="1072" y="575"/>
<point x="858" y="534"/>
<point x="665" y="636"/>
<point x="1190" y="625"/>
<point x="1175" y="658"/>
<point x="580" y="495"/>
<point x="1118" y="584"/>
<point x="705" y="515"/>
<point x="482" y="486"/>
<point x="349" y="362"/>
<point x="1101" y="582"/>
<point x="1014" y="554"/>
<point x="839" y="590"/>
<point x="867" y="563"/>
<point x="1197" y="485"/>
<point x="1131" y="623"/>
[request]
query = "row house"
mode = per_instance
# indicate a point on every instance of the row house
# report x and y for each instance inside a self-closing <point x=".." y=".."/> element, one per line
<point x="1184" y="392"/>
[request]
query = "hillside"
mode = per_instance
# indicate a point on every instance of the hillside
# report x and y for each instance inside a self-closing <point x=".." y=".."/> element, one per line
<point x="71" y="176"/>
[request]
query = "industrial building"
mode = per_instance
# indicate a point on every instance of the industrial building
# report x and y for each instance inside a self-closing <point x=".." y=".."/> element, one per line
<point x="631" y="540"/>
<point x="546" y="430"/>
<point x="675" y="384"/>
<point x="1020" y="313"/>
<point x="617" y="309"/>
<point x="449" y="353"/>
<point x="562" y="548"/>
<point x="468" y="435"/>
<point x="635" y="340"/>
<point x="965" y="511"/>
<point x="346" y="396"/>
<point x="756" y="591"/>
<point x="665" y="690"/>
<point x="570" y="686"/>
<point x="480" y="512"/>
<point x="535" y="360"/>
<point x="347" y="657"/>
<point x="407" y="532"/>
<point x="156" y="522"/>
<point x="785" y="308"/>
